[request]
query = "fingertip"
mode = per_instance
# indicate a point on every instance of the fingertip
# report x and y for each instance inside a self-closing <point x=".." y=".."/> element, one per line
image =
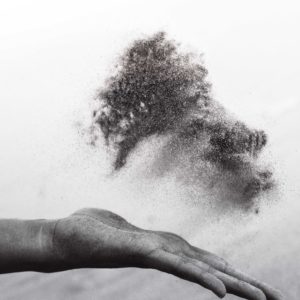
<point x="214" y="284"/>
<point x="219" y="288"/>
<point x="272" y="293"/>
<point x="221" y="296"/>
<point x="261" y="295"/>
<point x="221" y="293"/>
<point x="276" y="295"/>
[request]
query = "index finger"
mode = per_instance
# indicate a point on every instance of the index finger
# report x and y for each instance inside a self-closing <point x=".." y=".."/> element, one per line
<point x="270" y="292"/>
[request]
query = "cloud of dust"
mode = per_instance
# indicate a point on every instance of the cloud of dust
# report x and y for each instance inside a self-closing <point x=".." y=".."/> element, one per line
<point x="163" y="128"/>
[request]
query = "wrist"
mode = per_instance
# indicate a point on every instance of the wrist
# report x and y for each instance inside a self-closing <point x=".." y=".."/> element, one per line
<point x="26" y="245"/>
<point x="51" y="258"/>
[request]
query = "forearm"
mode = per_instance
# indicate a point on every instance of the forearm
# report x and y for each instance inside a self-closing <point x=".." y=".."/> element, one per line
<point x="26" y="245"/>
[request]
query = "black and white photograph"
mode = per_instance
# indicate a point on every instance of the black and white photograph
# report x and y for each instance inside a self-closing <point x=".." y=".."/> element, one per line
<point x="149" y="150"/>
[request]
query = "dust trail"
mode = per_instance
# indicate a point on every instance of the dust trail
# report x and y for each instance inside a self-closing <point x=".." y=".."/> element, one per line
<point x="160" y="93"/>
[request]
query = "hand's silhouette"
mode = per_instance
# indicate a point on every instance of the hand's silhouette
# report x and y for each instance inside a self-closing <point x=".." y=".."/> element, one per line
<point x="92" y="238"/>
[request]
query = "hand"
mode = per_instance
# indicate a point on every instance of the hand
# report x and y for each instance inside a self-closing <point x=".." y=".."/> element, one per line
<point x="93" y="238"/>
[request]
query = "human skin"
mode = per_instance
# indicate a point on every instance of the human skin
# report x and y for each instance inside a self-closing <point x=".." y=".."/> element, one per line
<point x="95" y="238"/>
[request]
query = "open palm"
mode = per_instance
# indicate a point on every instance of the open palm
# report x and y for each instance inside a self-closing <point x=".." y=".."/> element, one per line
<point x="94" y="238"/>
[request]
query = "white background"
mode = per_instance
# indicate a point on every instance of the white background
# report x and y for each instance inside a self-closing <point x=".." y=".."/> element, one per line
<point x="54" y="56"/>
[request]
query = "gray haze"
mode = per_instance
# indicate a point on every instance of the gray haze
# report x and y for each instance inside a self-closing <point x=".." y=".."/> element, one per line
<point x="53" y="58"/>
